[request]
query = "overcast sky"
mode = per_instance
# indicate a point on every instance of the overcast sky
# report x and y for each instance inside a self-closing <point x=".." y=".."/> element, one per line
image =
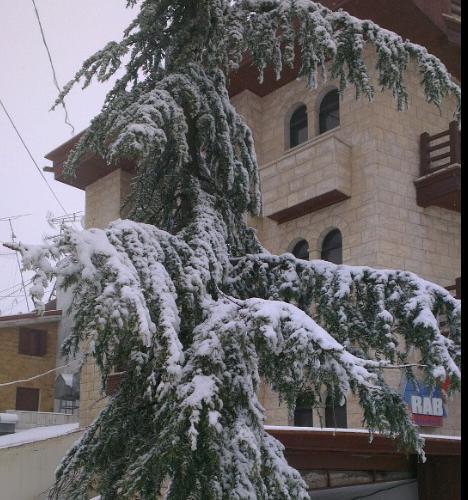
<point x="74" y="29"/>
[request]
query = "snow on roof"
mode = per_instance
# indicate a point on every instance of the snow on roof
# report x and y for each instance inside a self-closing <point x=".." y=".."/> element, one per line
<point x="36" y="434"/>
<point x="8" y="418"/>
<point x="68" y="379"/>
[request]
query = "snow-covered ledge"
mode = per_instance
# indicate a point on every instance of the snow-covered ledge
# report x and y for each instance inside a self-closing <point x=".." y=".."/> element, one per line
<point x="37" y="434"/>
<point x="28" y="459"/>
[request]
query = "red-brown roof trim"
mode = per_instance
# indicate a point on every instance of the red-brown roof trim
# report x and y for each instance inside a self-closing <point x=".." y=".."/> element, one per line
<point x="352" y="441"/>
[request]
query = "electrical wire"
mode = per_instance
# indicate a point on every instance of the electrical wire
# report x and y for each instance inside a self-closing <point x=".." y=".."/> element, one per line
<point x="31" y="156"/>
<point x="17" y="285"/>
<point x="54" y="74"/>
<point x="12" y="296"/>
<point x="14" y="382"/>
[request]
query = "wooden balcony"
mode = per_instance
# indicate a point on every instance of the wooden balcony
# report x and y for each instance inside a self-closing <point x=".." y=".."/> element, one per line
<point x="455" y="289"/>
<point x="440" y="172"/>
<point x="307" y="178"/>
<point x="113" y="382"/>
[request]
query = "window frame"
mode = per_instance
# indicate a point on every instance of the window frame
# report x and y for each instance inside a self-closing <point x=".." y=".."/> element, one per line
<point x="326" y="238"/>
<point x="298" y="122"/>
<point x="323" y="114"/>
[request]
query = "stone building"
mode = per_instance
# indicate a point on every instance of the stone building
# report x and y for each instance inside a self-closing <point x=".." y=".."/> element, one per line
<point x="28" y="347"/>
<point x="353" y="182"/>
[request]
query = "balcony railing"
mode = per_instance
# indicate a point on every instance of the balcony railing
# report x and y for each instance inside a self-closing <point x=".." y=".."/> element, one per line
<point x="440" y="167"/>
<point x="445" y="146"/>
<point x="455" y="289"/>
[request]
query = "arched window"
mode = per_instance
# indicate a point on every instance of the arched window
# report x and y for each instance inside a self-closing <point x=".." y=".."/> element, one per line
<point x="303" y="413"/>
<point x="332" y="247"/>
<point x="298" y="127"/>
<point x="301" y="250"/>
<point x="335" y="415"/>
<point x="329" y="114"/>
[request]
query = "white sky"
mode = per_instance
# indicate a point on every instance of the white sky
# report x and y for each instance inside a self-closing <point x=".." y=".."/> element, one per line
<point x="74" y="29"/>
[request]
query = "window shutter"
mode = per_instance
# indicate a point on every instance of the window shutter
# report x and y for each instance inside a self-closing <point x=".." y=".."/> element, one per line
<point x="32" y="342"/>
<point x="27" y="399"/>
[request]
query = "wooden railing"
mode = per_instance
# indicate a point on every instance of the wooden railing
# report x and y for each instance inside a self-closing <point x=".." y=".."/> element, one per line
<point x="445" y="145"/>
<point x="455" y="290"/>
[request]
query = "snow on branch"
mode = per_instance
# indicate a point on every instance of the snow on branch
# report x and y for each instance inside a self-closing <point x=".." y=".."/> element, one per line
<point x="380" y="312"/>
<point x="274" y="30"/>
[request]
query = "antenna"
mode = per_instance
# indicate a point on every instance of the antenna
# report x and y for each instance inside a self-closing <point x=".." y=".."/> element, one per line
<point x="63" y="220"/>
<point x="13" y="238"/>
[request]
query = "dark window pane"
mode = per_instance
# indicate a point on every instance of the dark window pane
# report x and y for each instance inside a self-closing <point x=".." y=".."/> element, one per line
<point x="301" y="250"/>
<point x="27" y="399"/>
<point x="329" y="116"/>
<point x="335" y="416"/>
<point x="298" y="127"/>
<point x="303" y="413"/>
<point x="332" y="247"/>
<point x="32" y="342"/>
<point x="303" y="417"/>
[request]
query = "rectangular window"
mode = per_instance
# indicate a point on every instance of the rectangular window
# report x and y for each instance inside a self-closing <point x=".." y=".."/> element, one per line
<point x="32" y="342"/>
<point x="27" y="399"/>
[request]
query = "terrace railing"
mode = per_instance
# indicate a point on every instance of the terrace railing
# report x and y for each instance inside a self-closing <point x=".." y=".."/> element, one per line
<point x="440" y="150"/>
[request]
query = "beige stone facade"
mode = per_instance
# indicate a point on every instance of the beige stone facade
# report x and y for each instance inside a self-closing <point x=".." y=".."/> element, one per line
<point x="373" y="159"/>
<point x="104" y="199"/>
<point x="17" y="366"/>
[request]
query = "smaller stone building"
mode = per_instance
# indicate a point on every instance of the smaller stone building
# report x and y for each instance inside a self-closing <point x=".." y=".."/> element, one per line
<point x="28" y="347"/>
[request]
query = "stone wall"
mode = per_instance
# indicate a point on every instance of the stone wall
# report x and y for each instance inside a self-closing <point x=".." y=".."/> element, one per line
<point x="382" y="225"/>
<point x="104" y="199"/>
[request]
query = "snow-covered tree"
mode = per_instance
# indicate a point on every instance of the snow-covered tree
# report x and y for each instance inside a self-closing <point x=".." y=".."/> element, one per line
<point x="185" y="297"/>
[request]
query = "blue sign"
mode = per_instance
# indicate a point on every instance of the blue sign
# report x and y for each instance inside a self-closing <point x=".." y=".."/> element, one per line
<point x="425" y="404"/>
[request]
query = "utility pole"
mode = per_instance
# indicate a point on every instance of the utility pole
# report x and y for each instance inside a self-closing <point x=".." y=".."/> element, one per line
<point x="13" y="240"/>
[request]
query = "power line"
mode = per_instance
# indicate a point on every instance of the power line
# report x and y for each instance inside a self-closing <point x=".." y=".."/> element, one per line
<point x="4" y="297"/>
<point x="54" y="74"/>
<point x="31" y="156"/>
<point x="17" y="285"/>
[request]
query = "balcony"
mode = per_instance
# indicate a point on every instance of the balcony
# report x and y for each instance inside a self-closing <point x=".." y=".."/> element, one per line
<point x="113" y="382"/>
<point x="440" y="170"/>
<point x="307" y="178"/>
